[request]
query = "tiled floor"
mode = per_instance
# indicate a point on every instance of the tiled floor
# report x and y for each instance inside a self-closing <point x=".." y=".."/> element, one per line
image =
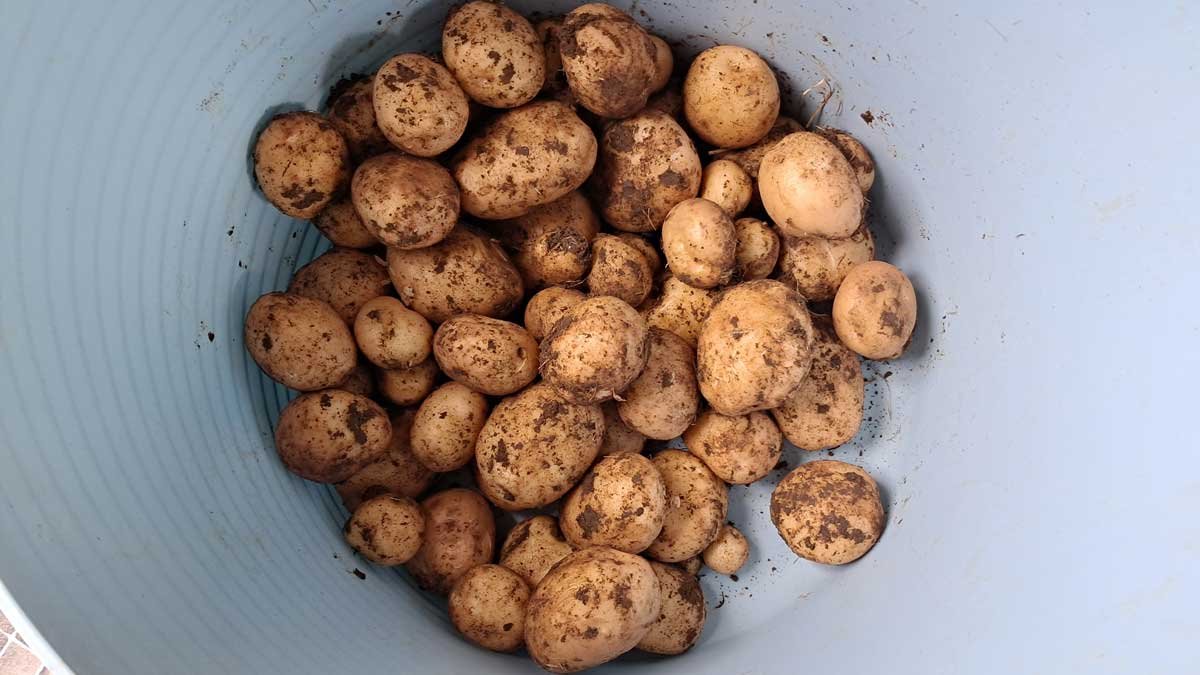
<point x="15" y="657"/>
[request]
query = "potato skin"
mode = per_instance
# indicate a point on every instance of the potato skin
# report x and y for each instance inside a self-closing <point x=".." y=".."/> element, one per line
<point x="391" y="335"/>
<point x="619" y="270"/>
<point x="757" y="249"/>
<point x="816" y="266"/>
<point x="826" y="410"/>
<point x="494" y="53"/>
<point x="595" y="351"/>
<point x="647" y="249"/>
<point x="446" y="426"/>
<point x="750" y="158"/>
<point x="618" y="437"/>
<point x="856" y="153"/>
<point x="681" y="309"/>
<point x="547" y="306"/>
<point x="726" y="184"/>
<point x="534" y="447"/>
<point x="460" y="534"/>
<point x="344" y="278"/>
<point x="700" y="243"/>
<point x="875" y="310"/>
<point x="487" y="607"/>
<point x="664" y="63"/>
<point x="662" y="402"/>
<point x="340" y="224"/>
<point x="730" y="96"/>
<point x="419" y="106"/>
<point x="406" y="202"/>
<point x="301" y="163"/>
<point x="740" y="449"/>
<point x="386" y="530"/>
<point x="620" y="503"/>
<point x="595" y="605"/>
<point x="555" y="85"/>
<point x="828" y="511"/>
<point x="533" y="547"/>
<point x="551" y="244"/>
<point x="361" y="381"/>
<point x="352" y="113"/>
<point x="809" y="188"/>
<point x="681" y="619"/>
<point x="488" y="355"/>
<point x="327" y="436"/>
<point x="610" y="62"/>
<point x="397" y="472"/>
<point x="407" y="386"/>
<point x="728" y="552"/>
<point x="299" y="342"/>
<point x="697" y="503"/>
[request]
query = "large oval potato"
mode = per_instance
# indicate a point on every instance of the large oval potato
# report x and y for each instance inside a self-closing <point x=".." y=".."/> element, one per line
<point x="610" y="61"/>
<point x="301" y="163"/>
<point x="700" y="243"/>
<point x="757" y="249"/>
<point x="681" y="309"/>
<point x="327" y="436"/>
<point x="494" y="53"/>
<point x="460" y="534"/>
<point x="352" y="113"/>
<point x="341" y="224"/>
<point x="299" y="342"/>
<point x="739" y="450"/>
<point x="406" y="202"/>
<point x="662" y="402"/>
<point x="826" y="410"/>
<point x="620" y="503"/>
<point x="534" y="546"/>
<point x="487" y="606"/>
<point x="697" y="503"/>
<point x="551" y="244"/>
<point x="730" y="96"/>
<point x="681" y="619"/>
<point x="595" y="351"/>
<point x="875" y="310"/>
<point x="488" y="355"/>
<point x="391" y="335"/>
<point x="828" y="511"/>
<point x="816" y="266"/>
<point x="809" y="188"/>
<point x="344" y="278"/>
<point x="619" y="270"/>
<point x="547" y="306"/>
<point x="397" y="472"/>
<point x="446" y="426"/>
<point x="419" y="106"/>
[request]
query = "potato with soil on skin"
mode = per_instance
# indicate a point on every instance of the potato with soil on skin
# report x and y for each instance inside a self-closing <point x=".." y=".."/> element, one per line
<point x="344" y="278"/>
<point x="700" y="243"/>
<point x="664" y="64"/>
<point x="809" y="188"/>
<point x="611" y="63"/>
<point x="327" y="436"/>
<point x="619" y="270"/>
<point x="534" y="447"/>
<point x="692" y="565"/>
<point x="826" y="410"/>
<point x="460" y="534"/>
<point x="755" y="348"/>
<point x="464" y="273"/>
<point x="533" y="547"/>
<point x="547" y="306"/>
<point x="301" y="163"/>
<point x="386" y="530"/>
<point x="681" y="618"/>
<point x="646" y="248"/>
<point x="595" y="605"/>
<point x="647" y="165"/>
<point x="697" y="503"/>
<point x="405" y="202"/>
<point x="595" y="351"/>
<point x="396" y="473"/>
<point x="340" y="224"/>
<point x="740" y="449"/>
<point x="551" y="244"/>
<point x="757" y="249"/>
<point x="750" y="158"/>
<point x="407" y="386"/>
<point x="391" y="335"/>
<point x="728" y="552"/>
<point x="855" y="152"/>
<point x="487" y="607"/>
<point x="662" y="402"/>
<point x="726" y="184"/>
<point x="446" y="426"/>
<point x="494" y="53"/>
<point x="360" y="381"/>
<point x="488" y="355"/>
<point x="548" y="30"/>
<point x="620" y="503"/>
<point x="419" y="106"/>
<point x="816" y="266"/>
<point x="681" y="309"/>
<point x="730" y="97"/>
<point x="828" y="511"/>
<point x="352" y="113"/>
<point x="299" y="342"/>
<point x="526" y="157"/>
<point x="875" y="310"/>
<point x="618" y="437"/>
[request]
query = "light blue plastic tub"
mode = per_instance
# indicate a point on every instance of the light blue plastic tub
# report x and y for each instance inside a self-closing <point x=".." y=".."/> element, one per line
<point x="1037" y="446"/>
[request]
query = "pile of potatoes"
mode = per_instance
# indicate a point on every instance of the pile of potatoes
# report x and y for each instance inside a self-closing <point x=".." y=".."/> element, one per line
<point x="549" y="249"/>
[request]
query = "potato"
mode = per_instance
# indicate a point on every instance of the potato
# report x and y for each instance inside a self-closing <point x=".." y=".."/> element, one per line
<point x="726" y="184"/>
<point x="728" y="552"/>
<point x="611" y="63"/>
<point x="446" y="426"/>
<point x="406" y="202"/>
<point x="757" y="249"/>
<point x="352" y="113"/>
<point x="618" y="437"/>
<point x="828" y="511"/>
<point x="619" y="270"/>
<point x="327" y="436"/>
<point x="816" y="266"/>
<point x="488" y="355"/>
<point x="344" y="278"/>
<point x="407" y="386"/>
<point x="551" y="244"/>
<point x="856" y="153"/>
<point x="533" y="547"/>
<point x="595" y="351"/>
<point x="494" y="53"/>
<point x="664" y="63"/>
<point x="464" y="273"/>
<point x="647" y="165"/>
<point x="754" y="349"/>
<point x="460" y="534"/>
<point x="547" y="306"/>
<point x="739" y="449"/>
<point x="662" y="402"/>
<point x="730" y="97"/>
<point x="487" y="606"/>
<point x="391" y="335"/>
<point x="299" y="342"/>
<point x="692" y="565"/>
<point x="697" y="502"/>
<point x="595" y="605"/>
<point x="526" y="157"/>
<point x="809" y="188"/>
<point x="875" y="310"/>
<point x="646" y="248"/>
<point x="340" y="224"/>
<point x="534" y="447"/>
<point x="386" y="530"/>
<point x="750" y="158"/>
<point x="419" y="106"/>
<point x="360" y="381"/>
<point x="700" y="243"/>
<point x="668" y="101"/>
<point x="681" y="619"/>
<point x="396" y="473"/>
<point x="301" y="163"/>
<point x="681" y="309"/>
<point x="620" y="503"/>
<point x="556" y="80"/>
<point x="826" y="409"/>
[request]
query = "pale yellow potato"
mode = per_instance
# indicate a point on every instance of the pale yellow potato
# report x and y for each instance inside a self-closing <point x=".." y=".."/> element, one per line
<point x="750" y="158"/>
<point x="809" y="188"/>
<point x="386" y="530"/>
<point x="551" y="244"/>
<point x="680" y="309"/>
<point x="396" y="473"/>
<point x="595" y="351"/>
<point x="728" y="552"/>
<point x="488" y="355"/>
<point x="391" y="335"/>
<point x="487" y="606"/>
<point x="352" y="113"/>
<point x="534" y="546"/>
<point x="301" y="163"/>
<point x="826" y="410"/>
<point x="816" y="266"/>
<point x="299" y="342"/>
<point x="547" y="306"/>
<point x="611" y="63"/>
<point x="407" y="386"/>
<point x="494" y="53"/>
<point x="327" y="436"/>
<point x="340" y="224"/>
<point x="620" y="270"/>
<point x="697" y="503"/>
<point x="620" y="503"/>
<point x="757" y="249"/>
<point x="739" y="449"/>
<point x="406" y="202"/>
<point x="681" y="619"/>
<point x="460" y="534"/>
<point x="700" y="243"/>
<point x="419" y="106"/>
<point x="856" y="153"/>
<point x="663" y="400"/>
<point x="446" y="426"/>
<point x="730" y="96"/>
<point x="875" y="310"/>
<point x="828" y="511"/>
<point x="618" y="437"/>
<point x="344" y="278"/>
<point x="664" y="63"/>
<point x="726" y="184"/>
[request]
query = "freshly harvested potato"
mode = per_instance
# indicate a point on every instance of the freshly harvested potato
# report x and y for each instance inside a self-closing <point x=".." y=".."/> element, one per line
<point x="620" y="503"/>
<point x="730" y="96"/>
<point x="526" y="157"/>
<point x="856" y="153"/>
<point x="757" y="249"/>
<point x="460" y="534"/>
<point x="755" y="347"/>
<point x="548" y="30"/>
<point x="386" y="530"/>
<point x="700" y="243"/>
<point x="446" y="426"/>
<point x="809" y="188"/>
<point x="726" y="184"/>
<point x="750" y="158"/>
<point x="407" y="386"/>
<point x="547" y="306"/>
<point x="692" y="565"/>
<point x="406" y="202"/>
<point x="551" y="244"/>
<point x="826" y="409"/>
<point x="828" y="511"/>
<point x="595" y="351"/>
<point x="344" y="278"/>
<point x="487" y="606"/>
<point x="534" y="447"/>
<point x="352" y="113"/>
<point x="340" y="224"/>
<point x="816" y="266"/>
<point x="488" y="355"/>
<point x="728" y="552"/>
<point x="396" y="473"/>
<point x="664" y="63"/>
<point x="681" y="619"/>
<point x="494" y="53"/>
<point x="327" y="436"/>
<point x="464" y="273"/>
<point x="611" y="63"/>
<point x="301" y="163"/>
<point x="739" y="449"/>
<point x="360" y="381"/>
<point x="619" y="270"/>
<point x="662" y="402"/>
<point x="875" y="310"/>
<point x="697" y="503"/>
<point x="668" y="101"/>
<point x="533" y="547"/>
<point x="299" y="342"/>
<point x="595" y="605"/>
<point x="419" y="106"/>
<point x="618" y="437"/>
<point x="647" y="249"/>
<point x="647" y="165"/>
<point x="681" y="309"/>
<point x="391" y="335"/>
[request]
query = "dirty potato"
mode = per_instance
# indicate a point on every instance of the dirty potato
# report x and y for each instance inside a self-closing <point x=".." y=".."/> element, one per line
<point x="406" y="202"/>
<point x="352" y="113"/>
<point x="547" y="306"/>
<point x="419" y="106"/>
<point x="700" y="243"/>
<point x="407" y="386"/>
<point x="551" y="244"/>
<point x="340" y="224"/>
<point x="391" y="335"/>
<point x="494" y="52"/>
<point x="681" y="619"/>
<point x="828" y="511"/>
<point x="301" y="163"/>
<point x="856" y="153"/>
<point x="344" y="278"/>
<point x="680" y="309"/>
<point x="618" y="437"/>
<point x="611" y="63"/>
<point x="460" y="534"/>
<point x="397" y="472"/>
<point x="386" y="530"/>
<point x="664" y="63"/>
<point x="487" y="607"/>
<point x="595" y="351"/>
<point x="826" y="410"/>
<point x="299" y="342"/>
<point x="647" y="249"/>
<point x="875" y="310"/>
<point x="620" y="503"/>
<point x="697" y="503"/>
<point x="488" y="355"/>
<point x="533" y="547"/>
<point x="750" y="158"/>
<point x="327" y="436"/>
<point x="726" y="184"/>
<point x="730" y="96"/>
<point x="446" y="426"/>
<point x="757" y="249"/>
<point x="555" y="84"/>
<point x="739" y="449"/>
<point x="728" y="552"/>
<point x="809" y="188"/>
<point x="662" y="402"/>
<point x="619" y="270"/>
<point x="816" y="266"/>
<point x="360" y="381"/>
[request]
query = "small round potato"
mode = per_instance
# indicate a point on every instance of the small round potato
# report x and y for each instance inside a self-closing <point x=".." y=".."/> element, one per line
<point x="396" y="473"/>
<point x="547" y="306"/>
<point x="700" y="243"/>
<point x="856" y="153"/>
<point x="647" y="249"/>
<point x="757" y="249"/>
<point x="460" y="534"/>
<point x="360" y="381"/>
<point x="809" y="188"/>
<point x="407" y="386"/>
<point x="446" y="426"/>
<point x="595" y="351"/>
<point x="344" y="278"/>
<point x="533" y="547"/>
<point x="726" y="184"/>
<point x="828" y="511"/>
<point x="681" y="619"/>
<point x="875" y="310"/>
<point x="619" y="270"/>
<point x="681" y="309"/>
<point x="406" y="202"/>
<point x="595" y="605"/>
<point x="728" y="552"/>
<point x="618" y="437"/>
<point x="620" y="503"/>
<point x="662" y="402"/>
<point x="730" y="97"/>
<point x="327" y="436"/>
<point x="664" y="63"/>
<point x="340" y="224"/>
<point x="391" y="335"/>
<point x="386" y="530"/>
<point x="739" y="450"/>
<point x="826" y="410"/>
<point x="352" y="113"/>
<point x="750" y="159"/>
<point x="488" y="355"/>
<point x="494" y="53"/>
<point x="611" y="63"/>
<point x="816" y="266"/>
<point x="419" y="106"/>
<point x="301" y="163"/>
<point x="551" y="244"/>
<point x="697" y="503"/>
<point x="299" y="342"/>
<point x="487" y="606"/>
